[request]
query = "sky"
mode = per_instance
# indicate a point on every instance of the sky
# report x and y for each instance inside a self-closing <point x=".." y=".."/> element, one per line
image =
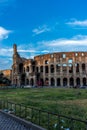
<point x="40" y="27"/>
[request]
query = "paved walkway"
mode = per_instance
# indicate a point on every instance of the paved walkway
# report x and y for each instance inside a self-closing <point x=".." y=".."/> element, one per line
<point x="7" y="123"/>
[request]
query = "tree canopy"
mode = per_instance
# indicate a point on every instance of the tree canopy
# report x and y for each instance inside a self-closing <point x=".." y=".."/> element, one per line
<point x="4" y="80"/>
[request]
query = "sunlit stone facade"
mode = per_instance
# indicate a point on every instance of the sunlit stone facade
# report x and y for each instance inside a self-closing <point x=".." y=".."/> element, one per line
<point x="7" y="73"/>
<point x="68" y="69"/>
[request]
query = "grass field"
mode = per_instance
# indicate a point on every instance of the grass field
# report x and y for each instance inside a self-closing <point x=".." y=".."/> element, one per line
<point x="66" y="101"/>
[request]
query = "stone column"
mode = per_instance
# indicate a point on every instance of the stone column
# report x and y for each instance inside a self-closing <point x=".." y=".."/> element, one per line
<point x="61" y="74"/>
<point x="49" y="69"/>
<point x="39" y="69"/>
<point x="86" y="67"/>
<point x="49" y="75"/>
<point x="67" y="70"/>
<point x="74" y="70"/>
<point x="44" y="73"/>
<point x="61" y="81"/>
<point x="81" y="82"/>
<point x="49" y="82"/>
<point x="86" y="72"/>
<point x="61" y="70"/>
<point x="80" y="69"/>
<point x="68" y="85"/>
<point x="34" y="79"/>
<point x="55" y="82"/>
<point x="25" y="82"/>
<point x="74" y="82"/>
<point x="30" y="68"/>
<point x="19" y="82"/>
<point x="55" y="74"/>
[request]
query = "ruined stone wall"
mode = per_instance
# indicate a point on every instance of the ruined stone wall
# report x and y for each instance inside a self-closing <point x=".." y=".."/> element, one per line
<point x="56" y="69"/>
<point x="7" y="73"/>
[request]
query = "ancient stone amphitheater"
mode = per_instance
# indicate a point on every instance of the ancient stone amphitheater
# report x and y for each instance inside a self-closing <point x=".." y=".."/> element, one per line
<point x="68" y="69"/>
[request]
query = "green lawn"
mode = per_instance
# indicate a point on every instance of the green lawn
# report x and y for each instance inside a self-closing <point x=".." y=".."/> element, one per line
<point x="66" y="101"/>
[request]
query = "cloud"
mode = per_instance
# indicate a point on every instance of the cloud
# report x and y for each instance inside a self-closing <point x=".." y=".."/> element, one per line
<point x="26" y="50"/>
<point x="75" y="43"/>
<point x="4" y="33"/>
<point x="45" y="51"/>
<point x="40" y="29"/>
<point x="6" y="52"/>
<point x="79" y="40"/>
<point x="75" y="22"/>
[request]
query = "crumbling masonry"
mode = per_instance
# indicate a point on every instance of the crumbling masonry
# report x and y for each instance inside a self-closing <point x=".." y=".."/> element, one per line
<point x="56" y="69"/>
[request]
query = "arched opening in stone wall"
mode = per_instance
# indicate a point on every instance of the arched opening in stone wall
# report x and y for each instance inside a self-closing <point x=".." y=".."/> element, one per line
<point x="16" y="81"/>
<point x="27" y="69"/>
<point x="27" y="81"/>
<point x="58" y="68"/>
<point x="84" y="81"/>
<point x="58" y="82"/>
<point x="83" y="67"/>
<point x="46" y="69"/>
<point x="71" y="81"/>
<point x="41" y="68"/>
<point x="52" y="68"/>
<point x="77" y="68"/>
<point x="42" y="82"/>
<point x="23" y="76"/>
<point x="52" y="82"/>
<point x="20" y="68"/>
<point x="64" y="67"/>
<point x="64" y="81"/>
<point x="24" y="69"/>
<point x="78" y="82"/>
<point x="46" y="61"/>
<point x="31" y="82"/>
<point x="46" y="81"/>
<point x="70" y="68"/>
<point x="37" y="69"/>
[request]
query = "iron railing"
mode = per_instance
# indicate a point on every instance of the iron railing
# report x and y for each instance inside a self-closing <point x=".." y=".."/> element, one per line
<point x="48" y="120"/>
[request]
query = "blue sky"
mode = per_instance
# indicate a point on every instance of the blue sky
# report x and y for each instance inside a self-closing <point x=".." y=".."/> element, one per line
<point x="40" y="27"/>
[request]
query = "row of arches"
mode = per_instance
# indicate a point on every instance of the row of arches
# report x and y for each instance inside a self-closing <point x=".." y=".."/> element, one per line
<point x="65" y="81"/>
<point x="52" y="81"/>
<point x="24" y="82"/>
<point x="30" y="82"/>
<point x="52" y="68"/>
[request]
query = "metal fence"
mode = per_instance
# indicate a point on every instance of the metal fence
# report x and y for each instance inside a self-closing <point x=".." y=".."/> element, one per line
<point x="48" y="120"/>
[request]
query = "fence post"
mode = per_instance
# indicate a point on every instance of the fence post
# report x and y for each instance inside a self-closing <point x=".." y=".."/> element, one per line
<point x="39" y="116"/>
<point x="7" y="104"/>
<point x="48" y="119"/>
<point x="11" y="106"/>
<point x="59" y="123"/>
<point x="32" y="115"/>
<point x="25" y="111"/>
<point x="71" y="122"/>
<point x="1" y="104"/>
<point x="20" y="110"/>
<point x="15" y="109"/>
<point x="86" y="125"/>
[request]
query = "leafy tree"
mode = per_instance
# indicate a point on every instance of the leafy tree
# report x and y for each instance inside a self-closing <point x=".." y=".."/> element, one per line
<point x="4" y="80"/>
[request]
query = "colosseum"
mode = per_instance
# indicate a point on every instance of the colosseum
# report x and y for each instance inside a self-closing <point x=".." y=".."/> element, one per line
<point x="64" y="69"/>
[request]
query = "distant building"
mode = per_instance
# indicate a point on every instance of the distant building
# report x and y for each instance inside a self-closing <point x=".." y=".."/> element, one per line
<point x="7" y="73"/>
<point x="56" y="69"/>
